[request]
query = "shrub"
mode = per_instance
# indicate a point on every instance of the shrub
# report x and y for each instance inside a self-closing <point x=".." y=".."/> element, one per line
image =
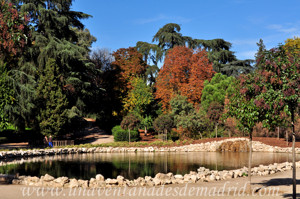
<point x="131" y="122"/>
<point x="173" y="135"/>
<point x="122" y="135"/>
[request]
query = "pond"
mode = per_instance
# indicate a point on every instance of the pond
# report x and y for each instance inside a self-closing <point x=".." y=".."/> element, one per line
<point x="134" y="165"/>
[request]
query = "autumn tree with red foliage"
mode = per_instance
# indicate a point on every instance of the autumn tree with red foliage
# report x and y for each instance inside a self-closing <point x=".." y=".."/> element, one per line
<point x="270" y="94"/>
<point x="277" y="89"/>
<point x="13" y="30"/>
<point x="130" y="63"/>
<point x="183" y="73"/>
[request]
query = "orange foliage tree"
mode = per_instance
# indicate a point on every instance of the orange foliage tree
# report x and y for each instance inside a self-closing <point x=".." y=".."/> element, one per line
<point x="128" y="64"/>
<point x="184" y="72"/>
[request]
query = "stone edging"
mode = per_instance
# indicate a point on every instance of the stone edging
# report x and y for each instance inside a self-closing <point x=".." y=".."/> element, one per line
<point x="202" y="175"/>
<point x="204" y="147"/>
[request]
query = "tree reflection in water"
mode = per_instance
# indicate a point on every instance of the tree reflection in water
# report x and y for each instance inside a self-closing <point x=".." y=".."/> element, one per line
<point x="134" y="165"/>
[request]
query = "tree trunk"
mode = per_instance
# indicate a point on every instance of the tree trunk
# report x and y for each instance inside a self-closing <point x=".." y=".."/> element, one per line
<point x="250" y="161"/>
<point x="20" y="126"/>
<point x="287" y="138"/>
<point x="278" y="132"/>
<point x="294" y="155"/>
<point x="200" y="135"/>
<point x="129" y="135"/>
<point x="216" y="129"/>
<point x="145" y="131"/>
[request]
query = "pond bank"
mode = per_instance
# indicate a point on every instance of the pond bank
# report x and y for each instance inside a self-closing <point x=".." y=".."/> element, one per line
<point x="201" y="175"/>
<point x="209" y="147"/>
<point x="262" y="186"/>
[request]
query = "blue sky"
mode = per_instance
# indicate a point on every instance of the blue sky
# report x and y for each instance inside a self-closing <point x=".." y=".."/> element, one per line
<point x="121" y="23"/>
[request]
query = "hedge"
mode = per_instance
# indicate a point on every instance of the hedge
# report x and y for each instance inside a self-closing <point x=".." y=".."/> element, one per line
<point x="122" y="135"/>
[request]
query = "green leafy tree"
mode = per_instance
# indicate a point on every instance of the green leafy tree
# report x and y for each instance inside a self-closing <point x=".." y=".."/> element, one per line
<point x="130" y="122"/>
<point x="216" y="90"/>
<point x="51" y="101"/>
<point x="139" y="97"/>
<point x="163" y="124"/>
<point x="195" y="123"/>
<point x="180" y="106"/>
<point x="242" y="107"/>
<point x="146" y="123"/>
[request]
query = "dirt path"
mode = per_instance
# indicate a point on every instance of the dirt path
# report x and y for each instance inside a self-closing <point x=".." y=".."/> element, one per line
<point x="94" y="135"/>
<point x="272" y="186"/>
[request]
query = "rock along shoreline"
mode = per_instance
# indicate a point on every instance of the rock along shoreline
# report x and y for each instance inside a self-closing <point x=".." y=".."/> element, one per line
<point x="202" y="174"/>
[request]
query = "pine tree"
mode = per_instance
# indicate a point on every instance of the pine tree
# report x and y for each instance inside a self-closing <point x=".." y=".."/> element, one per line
<point x="223" y="59"/>
<point x="51" y="101"/>
<point x="59" y="34"/>
<point x="6" y="95"/>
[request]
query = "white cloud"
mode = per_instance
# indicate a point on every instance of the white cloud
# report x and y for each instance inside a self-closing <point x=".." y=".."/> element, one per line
<point x="288" y="29"/>
<point x="162" y="17"/>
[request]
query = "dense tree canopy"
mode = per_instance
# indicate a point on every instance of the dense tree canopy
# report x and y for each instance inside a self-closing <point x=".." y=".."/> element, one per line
<point x="130" y="63"/>
<point x="139" y="97"/>
<point x="169" y="36"/>
<point x="184" y="73"/>
<point x="52" y="103"/>
<point x="14" y="31"/>
<point x="6" y="95"/>
<point x="216" y="90"/>
<point x="50" y="79"/>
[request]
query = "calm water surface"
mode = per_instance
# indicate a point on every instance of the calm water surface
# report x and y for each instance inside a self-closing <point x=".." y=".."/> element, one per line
<point x="134" y="165"/>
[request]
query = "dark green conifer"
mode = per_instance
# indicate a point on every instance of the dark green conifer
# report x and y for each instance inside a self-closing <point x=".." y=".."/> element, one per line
<point x="51" y="101"/>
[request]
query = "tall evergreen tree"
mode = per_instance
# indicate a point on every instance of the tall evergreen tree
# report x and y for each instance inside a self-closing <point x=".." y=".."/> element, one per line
<point x="151" y="52"/>
<point x="58" y="34"/>
<point x="6" y="95"/>
<point x="223" y="59"/>
<point x="51" y="101"/>
<point x="219" y="53"/>
<point x="169" y="36"/>
<point x="261" y="48"/>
